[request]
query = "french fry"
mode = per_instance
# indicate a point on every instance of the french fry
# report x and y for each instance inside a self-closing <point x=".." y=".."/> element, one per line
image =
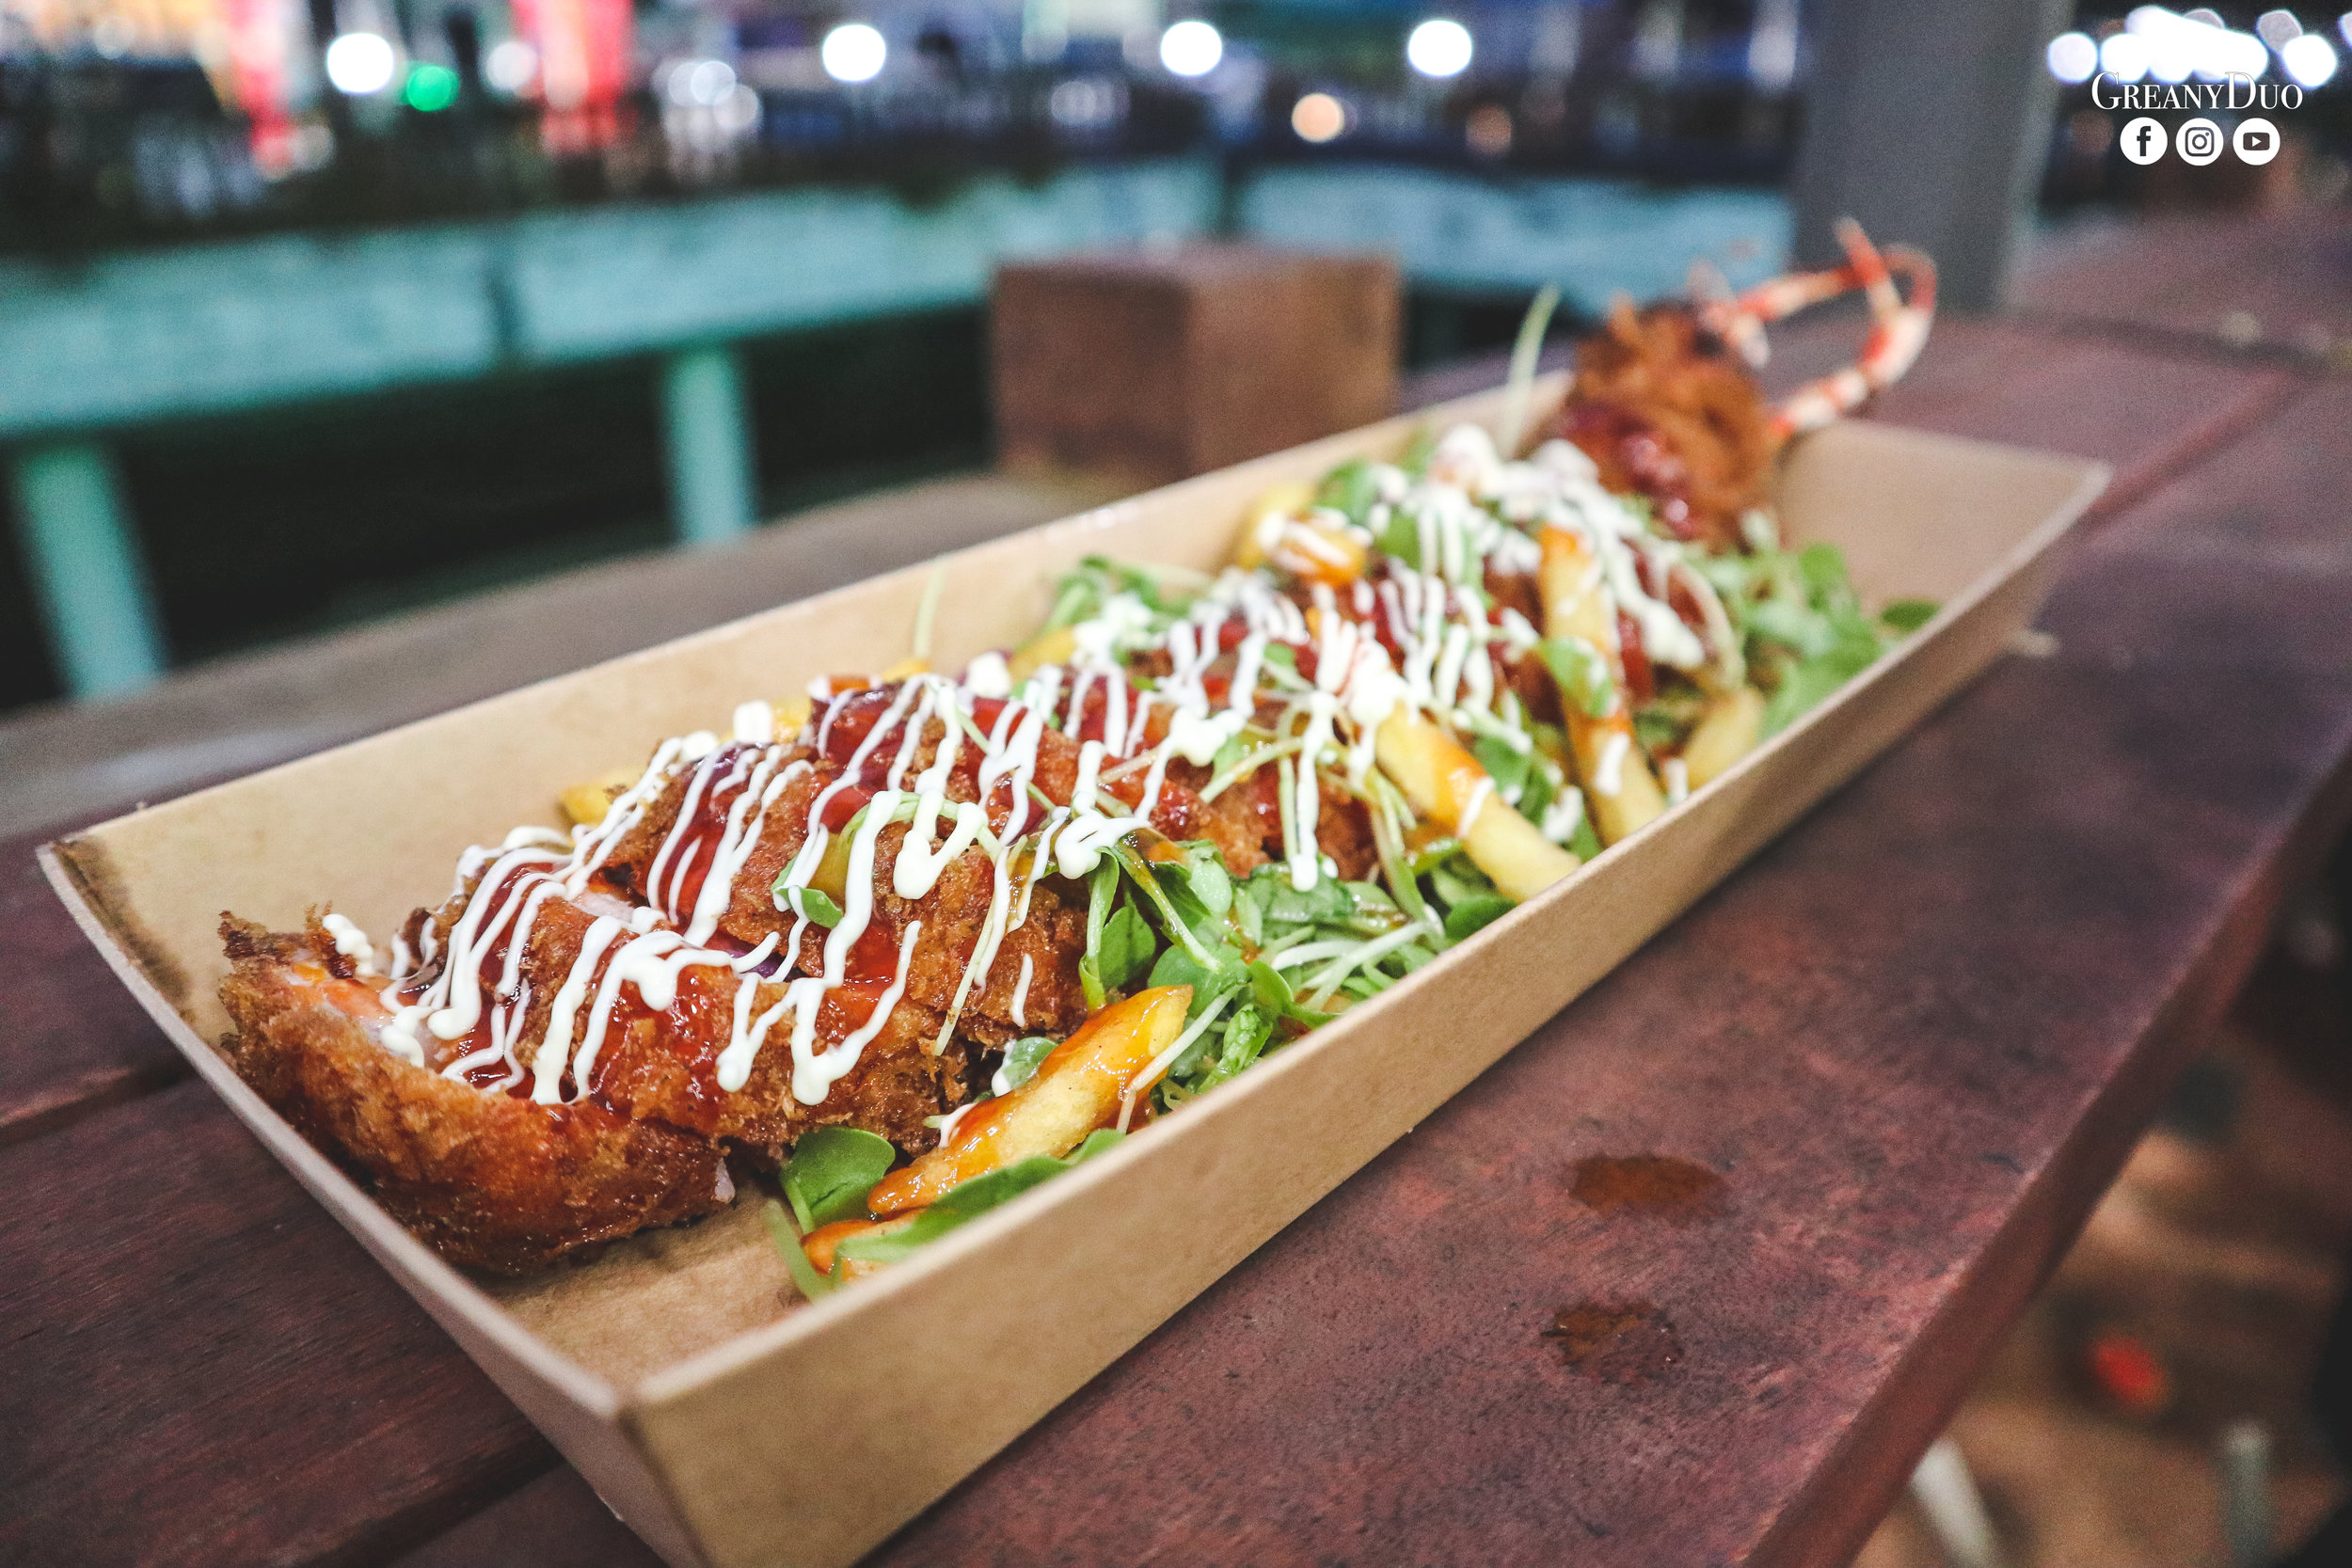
<point x="1266" y="517"/>
<point x="1075" y="1091"/>
<point x="586" y="803"/>
<point x="819" y="1245"/>
<point x="791" y="715"/>
<point x="1053" y="647"/>
<point x="1283" y="531"/>
<point x="1444" y="783"/>
<point x="1727" y="731"/>
<point x="1621" y="789"/>
<point x="907" y="667"/>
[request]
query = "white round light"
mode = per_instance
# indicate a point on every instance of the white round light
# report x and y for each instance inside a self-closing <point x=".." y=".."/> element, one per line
<point x="2310" y="59"/>
<point x="359" y="64"/>
<point x="853" y="52"/>
<point x="1318" y="118"/>
<point x="1438" y="47"/>
<point x="511" y="66"/>
<point x="2072" y="57"/>
<point x="1191" y="48"/>
<point x="2124" y="56"/>
<point x="710" y="81"/>
<point x="2276" y="27"/>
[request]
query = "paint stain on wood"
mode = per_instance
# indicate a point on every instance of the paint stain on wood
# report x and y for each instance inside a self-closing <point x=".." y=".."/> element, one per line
<point x="1660" y="1186"/>
<point x="1621" y="1342"/>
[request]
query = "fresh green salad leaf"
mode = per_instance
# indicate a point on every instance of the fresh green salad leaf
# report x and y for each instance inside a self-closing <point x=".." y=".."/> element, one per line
<point x="830" y="1171"/>
<point x="1400" y="537"/>
<point x="1350" y="490"/>
<point x="1582" y="672"/>
<point x="813" y="904"/>
<point x="1126" y="948"/>
<point x="1101" y="889"/>
<point x="1415" y="462"/>
<point x="811" y="1283"/>
<point x="1909" y="615"/>
<point x="1474" y="913"/>
<point x="1023" y="1057"/>
<point x="968" y="1200"/>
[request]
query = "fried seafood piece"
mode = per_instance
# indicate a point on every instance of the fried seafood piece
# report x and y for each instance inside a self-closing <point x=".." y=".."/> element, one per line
<point x="954" y="915"/>
<point x="487" y="1180"/>
<point x="664" y="1066"/>
<point x="1031" y="986"/>
<point x="1666" y="410"/>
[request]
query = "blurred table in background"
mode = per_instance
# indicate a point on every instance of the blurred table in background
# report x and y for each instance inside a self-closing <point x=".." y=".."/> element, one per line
<point x="1917" y="1036"/>
<point x="1161" y="364"/>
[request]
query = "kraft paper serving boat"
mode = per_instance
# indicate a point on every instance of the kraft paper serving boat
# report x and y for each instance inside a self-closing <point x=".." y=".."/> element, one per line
<point x="728" y="1424"/>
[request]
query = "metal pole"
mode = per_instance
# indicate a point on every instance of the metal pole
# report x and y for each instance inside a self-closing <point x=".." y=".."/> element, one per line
<point x="87" y="574"/>
<point x="1928" y="122"/>
<point x="708" y="430"/>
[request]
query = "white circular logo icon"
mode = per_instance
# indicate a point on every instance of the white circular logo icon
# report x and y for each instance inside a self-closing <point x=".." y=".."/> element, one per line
<point x="2256" y="142"/>
<point x="2200" y="141"/>
<point x="2144" y="140"/>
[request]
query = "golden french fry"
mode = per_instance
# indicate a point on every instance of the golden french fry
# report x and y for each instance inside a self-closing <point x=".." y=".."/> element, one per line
<point x="820" y="1245"/>
<point x="1729" y="730"/>
<point x="1265" y="519"/>
<point x="1075" y="1091"/>
<point x="1053" y="647"/>
<point x="792" y="714"/>
<point x="1621" y="789"/>
<point x="905" y="668"/>
<point x="586" y="803"/>
<point x="1445" y="784"/>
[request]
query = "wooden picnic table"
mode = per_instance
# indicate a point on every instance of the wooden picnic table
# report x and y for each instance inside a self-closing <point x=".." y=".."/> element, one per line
<point x="1912" y="1040"/>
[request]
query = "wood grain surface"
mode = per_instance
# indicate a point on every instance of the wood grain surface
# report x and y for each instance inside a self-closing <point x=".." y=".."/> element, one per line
<point x="1913" y="1039"/>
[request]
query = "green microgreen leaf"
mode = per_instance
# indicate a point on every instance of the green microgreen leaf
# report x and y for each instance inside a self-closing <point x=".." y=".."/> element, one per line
<point x="1474" y="913"/>
<point x="1909" y="615"/>
<point x="1582" y="673"/>
<point x="1126" y="948"/>
<point x="1350" y="490"/>
<point x="811" y="1283"/>
<point x="815" y="905"/>
<point x="1101" y="888"/>
<point x="830" y="1171"/>
<point x="1023" y="1057"/>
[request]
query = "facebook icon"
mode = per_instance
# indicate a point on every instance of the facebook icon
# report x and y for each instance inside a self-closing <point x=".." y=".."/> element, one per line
<point x="2143" y="140"/>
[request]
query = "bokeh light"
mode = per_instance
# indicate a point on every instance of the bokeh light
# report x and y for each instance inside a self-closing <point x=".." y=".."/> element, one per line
<point x="1191" y="48"/>
<point x="1439" y="47"/>
<point x="853" y="52"/>
<point x="1318" y="118"/>
<point x="431" y="88"/>
<point x="2073" y="57"/>
<point x="2310" y="59"/>
<point x="359" y="64"/>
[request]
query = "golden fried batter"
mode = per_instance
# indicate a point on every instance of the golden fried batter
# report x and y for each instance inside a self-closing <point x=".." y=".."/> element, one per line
<point x="489" y="1180"/>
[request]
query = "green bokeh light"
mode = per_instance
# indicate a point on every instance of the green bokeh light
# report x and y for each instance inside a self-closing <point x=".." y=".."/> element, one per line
<point x="430" y="87"/>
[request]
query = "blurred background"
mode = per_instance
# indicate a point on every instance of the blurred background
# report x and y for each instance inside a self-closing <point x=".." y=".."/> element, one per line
<point x="316" y="311"/>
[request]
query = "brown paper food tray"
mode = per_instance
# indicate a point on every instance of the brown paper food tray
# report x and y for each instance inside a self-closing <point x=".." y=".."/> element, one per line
<point x="730" y="1426"/>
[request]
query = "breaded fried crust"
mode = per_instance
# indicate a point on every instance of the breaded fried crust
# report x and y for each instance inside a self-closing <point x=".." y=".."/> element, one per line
<point x="487" y="1180"/>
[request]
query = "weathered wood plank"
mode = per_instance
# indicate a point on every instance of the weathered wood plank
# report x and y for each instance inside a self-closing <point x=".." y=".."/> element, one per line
<point x="76" y="1038"/>
<point x="202" y="1369"/>
<point x="555" y="1522"/>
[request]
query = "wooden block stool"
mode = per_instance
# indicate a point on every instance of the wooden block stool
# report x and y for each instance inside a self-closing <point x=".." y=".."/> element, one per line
<point x="1155" y="365"/>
